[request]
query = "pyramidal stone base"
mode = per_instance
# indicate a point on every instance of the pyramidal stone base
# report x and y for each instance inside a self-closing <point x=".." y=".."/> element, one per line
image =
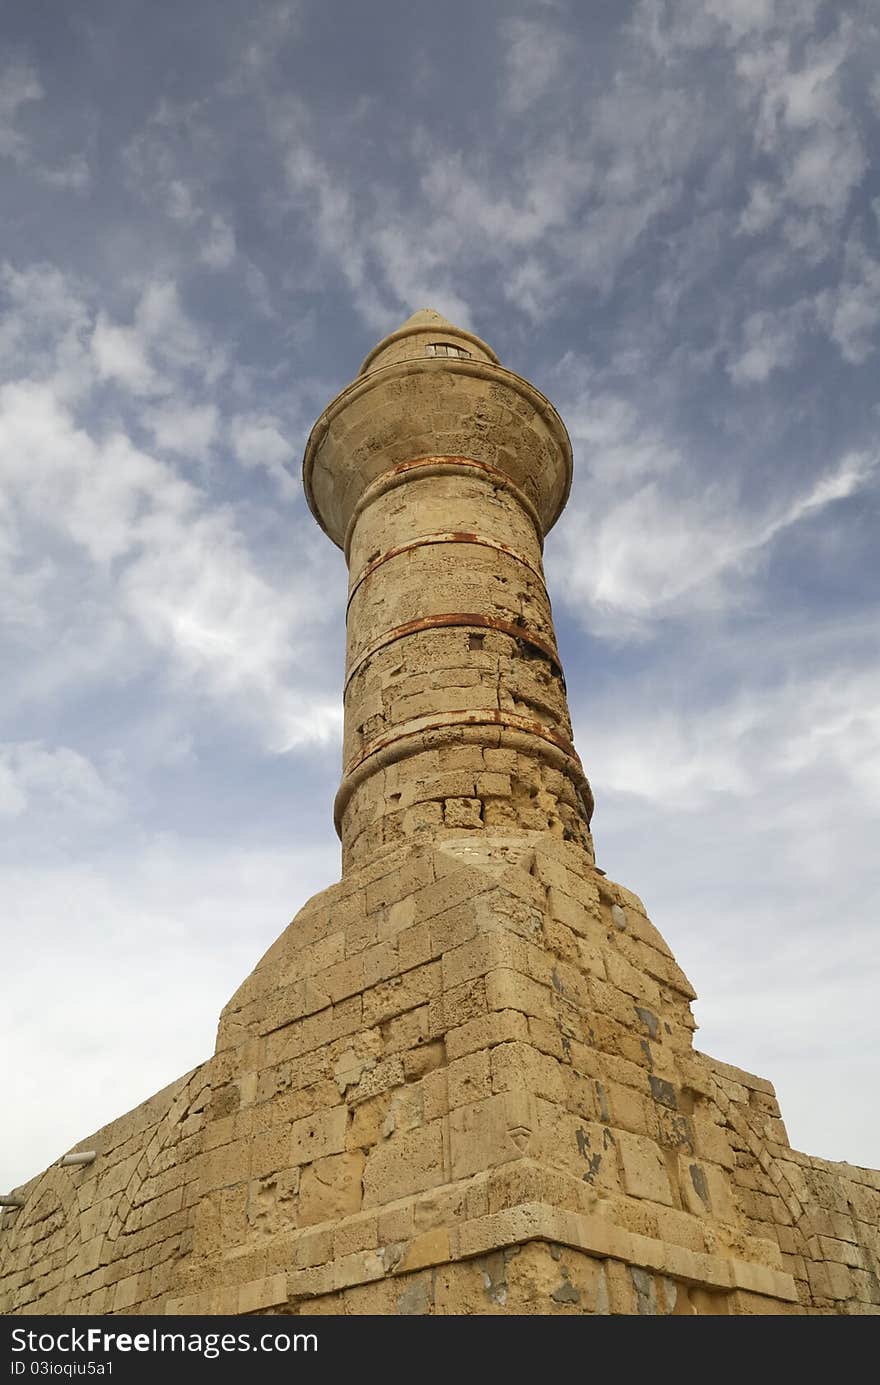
<point x="461" y="1081"/>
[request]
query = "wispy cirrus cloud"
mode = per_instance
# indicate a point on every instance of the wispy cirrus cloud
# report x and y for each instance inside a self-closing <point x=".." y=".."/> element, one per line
<point x="21" y="88"/>
<point x="668" y="538"/>
<point x="155" y="550"/>
<point x="658" y="552"/>
<point x="19" y="85"/>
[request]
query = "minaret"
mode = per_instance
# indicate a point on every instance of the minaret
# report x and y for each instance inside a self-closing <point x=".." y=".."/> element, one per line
<point x="462" y="1079"/>
<point x="438" y="473"/>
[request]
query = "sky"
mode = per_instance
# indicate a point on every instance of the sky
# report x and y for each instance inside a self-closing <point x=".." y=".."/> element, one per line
<point x="666" y="215"/>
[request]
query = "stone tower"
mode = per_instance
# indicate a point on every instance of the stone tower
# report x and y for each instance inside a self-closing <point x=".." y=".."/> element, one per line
<point x="463" y="1079"/>
<point x="439" y="473"/>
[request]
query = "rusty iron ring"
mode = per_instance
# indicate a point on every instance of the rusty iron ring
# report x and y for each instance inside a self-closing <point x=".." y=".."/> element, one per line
<point x="448" y="536"/>
<point x="439" y="466"/>
<point x="520" y="732"/>
<point x="446" y="621"/>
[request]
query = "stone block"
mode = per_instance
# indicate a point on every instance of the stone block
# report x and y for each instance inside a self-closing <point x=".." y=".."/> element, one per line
<point x="318" y="1135"/>
<point x="520" y="1067"/>
<point x="331" y="1188"/>
<point x="469" y="1079"/>
<point x="460" y="1004"/>
<point x="643" y="1169"/>
<point x="510" y="990"/>
<point x="269" y="1292"/>
<point x="496" y="1028"/>
<point x="463" y="812"/>
<point x="430" y="1248"/>
<point x="229" y="1164"/>
<point x="406" y="1163"/>
<point x="401" y="993"/>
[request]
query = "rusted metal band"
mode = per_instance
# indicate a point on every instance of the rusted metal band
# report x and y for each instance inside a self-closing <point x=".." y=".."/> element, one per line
<point x="448" y="536"/>
<point x="520" y="732"/>
<point x="439" y="466"/>
<point x="453" y="619"/>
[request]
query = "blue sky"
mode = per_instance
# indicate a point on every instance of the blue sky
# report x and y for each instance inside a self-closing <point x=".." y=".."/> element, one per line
<point x="667" y="216"/>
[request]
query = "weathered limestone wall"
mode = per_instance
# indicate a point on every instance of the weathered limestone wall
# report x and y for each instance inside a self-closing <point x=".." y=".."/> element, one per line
<point x="825" y="1216"/>
<point x="461" y="1081"/>
<point x="93" y="1239"/>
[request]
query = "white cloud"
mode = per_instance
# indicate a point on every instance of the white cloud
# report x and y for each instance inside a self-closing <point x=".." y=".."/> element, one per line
<point x="320" y="196"/>
<point x="533" y="54"/>
<point x="771" y="341"/>
<point x="793" y="91"/>
<point x="661" y="543"/>
<point x="121" y="355"/>
<point x="572" y="204"/>
<point x="169" y="928"/>
<point x="194" y="590"/>
<point x="680" y="755"/>
<point x="531" y="287"/>
<point x="180" y="203"/>
<point x="188" y="583"/>
<point x="743" y="17"/>
<point x="172" y="336"/>
<point x="174" y="163"/>
<point x="45" y="327"/>
<point x="184" y="589"/>
<point x="851" y="311"/>
<point x="569" y="207"/>
<point x="764" y="207"/>
<point x="258" y="441"/>
<point x="19" y="85"/>
<point x="148" y="357"/>
<point x="515" y="214"/>
<point x="218" y="244"/>
<point x="23" y="581"/>
<point x="802" y="122"/>
<point x="187" y="430"/>
<point x="74" y="173"/>
<point x="609" y="433"/>
<point x="35" y="779"/>
<point x="418" y="276"/>
<point x="263" y="46"/>
<point x="825" y="170"/>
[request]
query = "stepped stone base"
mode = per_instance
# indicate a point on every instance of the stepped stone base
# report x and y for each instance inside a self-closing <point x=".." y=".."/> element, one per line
<point x="461" y="1081"/>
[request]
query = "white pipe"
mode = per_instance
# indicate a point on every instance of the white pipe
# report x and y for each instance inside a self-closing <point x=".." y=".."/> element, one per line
<point x="7" y="1200"/>
<point x="85" y="1156"/>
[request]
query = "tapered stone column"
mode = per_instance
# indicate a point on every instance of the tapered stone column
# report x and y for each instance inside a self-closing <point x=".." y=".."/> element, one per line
<point x="439" y="473"/>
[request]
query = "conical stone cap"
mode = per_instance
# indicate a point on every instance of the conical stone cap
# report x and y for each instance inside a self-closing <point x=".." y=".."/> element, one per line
<point x="426" y="328"/>
<point x="428" y="317"/>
